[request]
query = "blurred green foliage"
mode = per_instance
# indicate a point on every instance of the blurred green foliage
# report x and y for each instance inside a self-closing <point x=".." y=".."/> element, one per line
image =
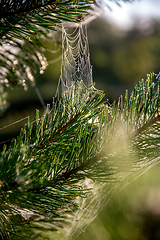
<point x="121" y="58"/>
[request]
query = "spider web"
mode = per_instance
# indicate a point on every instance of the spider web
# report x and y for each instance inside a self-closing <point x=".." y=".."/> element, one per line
<point x="75" y="65"/>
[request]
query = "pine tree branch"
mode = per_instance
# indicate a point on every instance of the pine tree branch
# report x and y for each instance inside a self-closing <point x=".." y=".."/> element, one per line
<point x="147" y="125"/>
<point x="62" y="128"/>
<point x="10" y="8"/>
<point x="44" y="170"/>
<point x="29" y="15"/>
<point x="66" y="175"/>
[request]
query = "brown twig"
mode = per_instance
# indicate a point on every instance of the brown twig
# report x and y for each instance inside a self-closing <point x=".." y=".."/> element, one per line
<point x="65" y="175"/>
<point x="60" y="130"/>
<point x="147" y="125"/>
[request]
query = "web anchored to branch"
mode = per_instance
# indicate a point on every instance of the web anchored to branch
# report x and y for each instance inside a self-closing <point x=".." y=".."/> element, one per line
<point x="48" y="172"/>
<point x="75" y="65"/>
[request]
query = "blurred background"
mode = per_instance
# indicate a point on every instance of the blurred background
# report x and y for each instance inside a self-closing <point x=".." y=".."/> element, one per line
<point x="124" y="46"/>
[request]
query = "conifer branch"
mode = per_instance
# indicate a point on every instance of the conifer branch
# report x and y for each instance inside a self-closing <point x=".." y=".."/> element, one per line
<point x="11" y="8"/>
<point x="74" y="142"/>
<point x="148" y="124"/>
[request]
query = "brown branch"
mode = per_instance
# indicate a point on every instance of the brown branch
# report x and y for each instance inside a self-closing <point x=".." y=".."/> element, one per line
<point x="65" y="175"/>
<point x="147" y="125"/>
<point x="60" y="130"/>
